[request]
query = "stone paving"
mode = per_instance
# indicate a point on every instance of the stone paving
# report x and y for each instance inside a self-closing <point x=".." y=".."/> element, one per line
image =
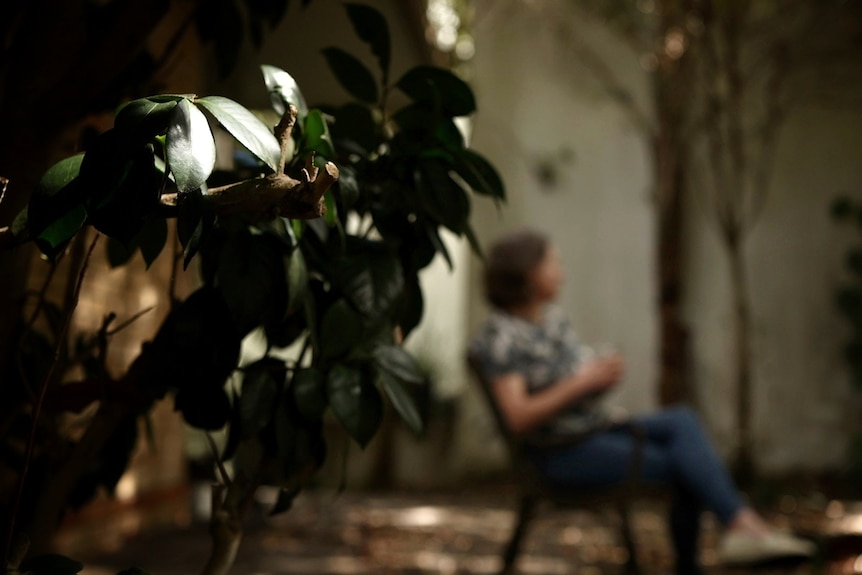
<point x="441" y="533"/>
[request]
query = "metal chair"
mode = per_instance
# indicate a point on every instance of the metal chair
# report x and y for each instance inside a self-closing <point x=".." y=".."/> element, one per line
<point x="533" y="491"/>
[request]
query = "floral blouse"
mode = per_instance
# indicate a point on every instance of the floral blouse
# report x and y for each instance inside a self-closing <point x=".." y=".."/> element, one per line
<point x="543" y="353"/>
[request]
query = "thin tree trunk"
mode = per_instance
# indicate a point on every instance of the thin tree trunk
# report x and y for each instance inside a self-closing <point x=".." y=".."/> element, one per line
<point x="674" y="342"/>
<point x="743" y="465"/>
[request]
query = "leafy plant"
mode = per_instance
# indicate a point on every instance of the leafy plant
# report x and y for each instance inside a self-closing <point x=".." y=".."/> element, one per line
<point x="322" y="252"/>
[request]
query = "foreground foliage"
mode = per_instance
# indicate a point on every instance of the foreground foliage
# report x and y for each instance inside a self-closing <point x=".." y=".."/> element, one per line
<point x="313" y="244"/>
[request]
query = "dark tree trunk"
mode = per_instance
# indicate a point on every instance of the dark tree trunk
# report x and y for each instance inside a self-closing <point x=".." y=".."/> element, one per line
<point x="673" y="386"/>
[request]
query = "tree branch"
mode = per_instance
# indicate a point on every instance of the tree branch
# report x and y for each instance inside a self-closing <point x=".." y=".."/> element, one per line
<point x="269" y="196"/>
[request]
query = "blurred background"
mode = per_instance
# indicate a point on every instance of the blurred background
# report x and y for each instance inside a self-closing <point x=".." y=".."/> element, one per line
<point x="700" y="174"/>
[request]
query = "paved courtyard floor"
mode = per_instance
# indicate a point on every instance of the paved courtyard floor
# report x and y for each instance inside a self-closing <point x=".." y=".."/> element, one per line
<point x="459" y="533"/>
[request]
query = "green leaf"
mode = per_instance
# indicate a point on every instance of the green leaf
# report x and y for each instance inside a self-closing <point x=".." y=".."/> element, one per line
<point x="145" y="117"/>
<point x="250" y="273"/>
<point x="474" y="241"/>
<point x="355" y="122"/>
<point x="21" y="227"/>
<point x="118" y="253"/>
<point x="440" y="87"/>
<point x="56" y="210"/>
<point x="370" y="26"/>
<point x="340" y="330"/>
<point x="355" y="402"/>
<point x="261" y="383"/>
<point x="316" y="136"/>
<point x="297" y="281"/>
<point x="352" y="74"/>
<point x="245" y="127"/>
<point x="152" y="239"/>
<point x="371" y="277"/>
<point x="411" y="307"/>
<point x="59" y="176"/>
<point x="283" y="90"/>
<point x="190" y="147"/>
<point x="196" y="346"/>
<point x="398" y="363"/>
<point x="402" y="401"/>
<point x="52" y="239"/>
<point x="51" y="564"/>
<point x="309" y="393"/>
<point x="331" y="215"/>
<point x="440" y="197"/>
<point x="194" y="224"/>
<point x="129" y="190"/>
<point x="479" y="174"/>
<point x="434" y="235"/>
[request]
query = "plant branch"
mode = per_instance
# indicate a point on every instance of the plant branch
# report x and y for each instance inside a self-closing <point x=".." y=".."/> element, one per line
<point x="270" y="196"/>
<point x="229" y="512"/>
<point x="225" y="478"/>
<point x="283" y="131"/>
<point x="37" y="408"/>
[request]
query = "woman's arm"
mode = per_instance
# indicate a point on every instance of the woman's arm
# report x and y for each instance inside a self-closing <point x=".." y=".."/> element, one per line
<point x="524" y="411"/>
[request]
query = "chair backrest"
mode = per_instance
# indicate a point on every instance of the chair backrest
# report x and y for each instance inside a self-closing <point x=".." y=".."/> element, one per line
<point x="525" y="472"/>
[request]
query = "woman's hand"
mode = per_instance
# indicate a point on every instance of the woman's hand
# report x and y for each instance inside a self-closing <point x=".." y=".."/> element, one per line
<point x="599" y="375"/>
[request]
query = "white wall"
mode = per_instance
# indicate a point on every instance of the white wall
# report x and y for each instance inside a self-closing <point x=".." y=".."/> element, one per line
<point x="804" y="406"/>
<point x="536" y="99"/>
<point x="534" y="108"/>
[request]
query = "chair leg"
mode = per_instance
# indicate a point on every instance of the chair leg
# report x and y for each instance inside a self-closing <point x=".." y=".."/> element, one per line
<point x="632" y="565"/>
<point x="525" y="514"/>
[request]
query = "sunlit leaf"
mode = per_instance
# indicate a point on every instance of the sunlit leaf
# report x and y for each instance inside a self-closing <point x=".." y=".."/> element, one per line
<point x="316" y="135"/>
<point x="245" y="127"/>
<point x="190" y="147"/>
<point x="283" y="90"/>
<point x="352" y="74"/>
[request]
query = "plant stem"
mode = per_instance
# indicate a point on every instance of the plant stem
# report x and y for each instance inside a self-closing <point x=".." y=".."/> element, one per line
<point x="37" y="408"/>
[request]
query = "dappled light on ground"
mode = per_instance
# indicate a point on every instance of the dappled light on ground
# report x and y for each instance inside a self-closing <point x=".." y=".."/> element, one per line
<point x="464" y="534"/>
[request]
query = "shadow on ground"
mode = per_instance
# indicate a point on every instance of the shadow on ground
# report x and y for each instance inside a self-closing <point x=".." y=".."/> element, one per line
<point x="449" y="534"/>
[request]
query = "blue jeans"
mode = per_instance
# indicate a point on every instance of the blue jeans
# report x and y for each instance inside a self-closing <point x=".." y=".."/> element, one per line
<point x="676" y="453"/>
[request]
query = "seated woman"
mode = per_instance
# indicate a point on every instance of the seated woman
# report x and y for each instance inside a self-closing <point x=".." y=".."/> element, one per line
<point x="544" y="385"/>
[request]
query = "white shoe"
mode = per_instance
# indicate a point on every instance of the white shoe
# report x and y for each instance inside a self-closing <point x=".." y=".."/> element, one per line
<point x="747" y="548"/>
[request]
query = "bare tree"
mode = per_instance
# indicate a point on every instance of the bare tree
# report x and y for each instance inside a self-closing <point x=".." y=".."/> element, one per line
<point x="723" y="76"/>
